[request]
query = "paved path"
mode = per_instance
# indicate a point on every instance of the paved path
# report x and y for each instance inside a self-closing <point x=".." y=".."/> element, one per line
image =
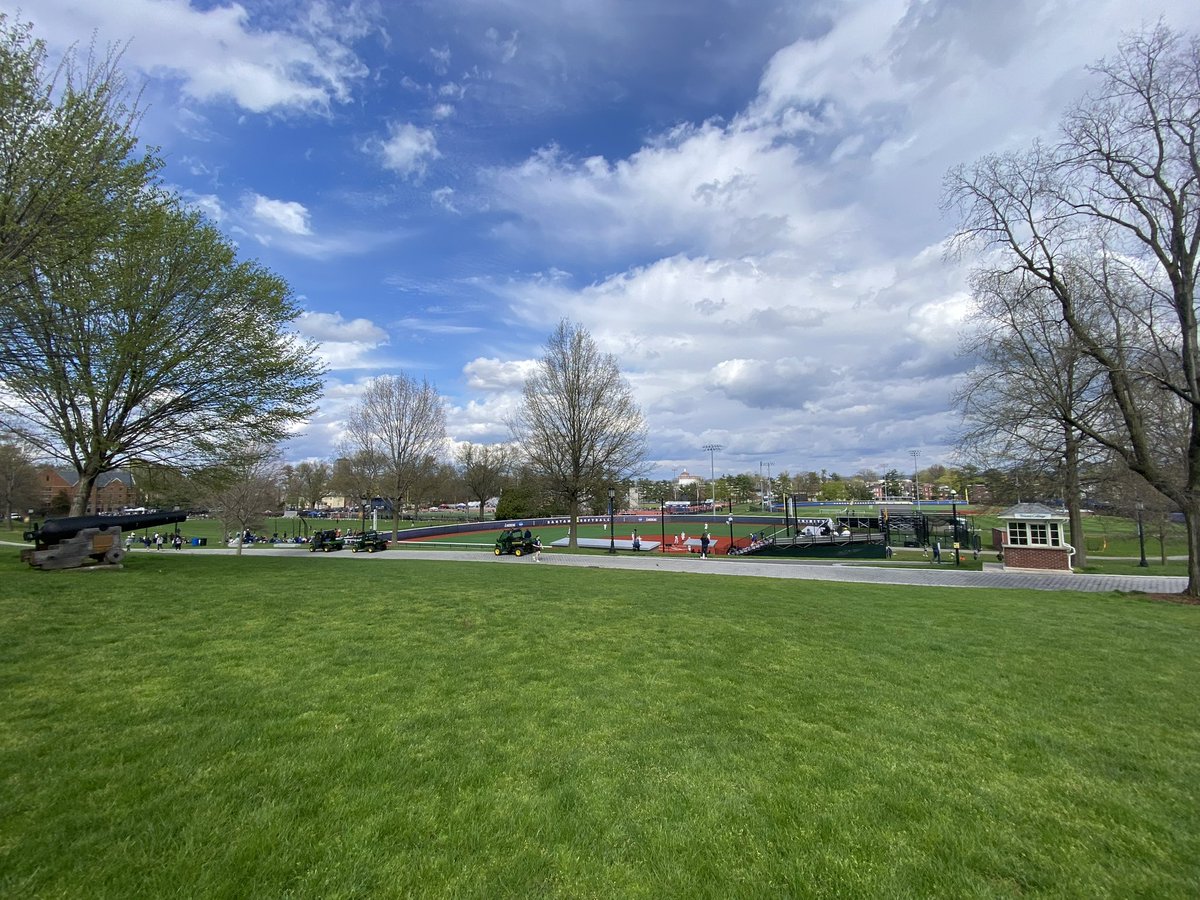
<point x="945" y="575"/>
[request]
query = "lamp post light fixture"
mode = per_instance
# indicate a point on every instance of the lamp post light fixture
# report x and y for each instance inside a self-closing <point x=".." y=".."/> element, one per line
<point x="916" y="482"/>
<point x="1141" y="536"/>
<point x="612" y="537"/>
<point x="711" y="449"/>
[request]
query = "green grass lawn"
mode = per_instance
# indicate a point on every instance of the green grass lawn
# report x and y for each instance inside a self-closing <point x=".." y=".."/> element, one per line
<point x="267" y="727"/>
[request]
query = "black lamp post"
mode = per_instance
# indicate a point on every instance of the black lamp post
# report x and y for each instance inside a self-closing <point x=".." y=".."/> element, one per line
<point x="662" y="524"/>
<point x="362" y="505"/>
<point x="730" y="535"/>
<point x="1141" y="536"/>
<point x="612" y="537"/>
<point x="957" y="539"/>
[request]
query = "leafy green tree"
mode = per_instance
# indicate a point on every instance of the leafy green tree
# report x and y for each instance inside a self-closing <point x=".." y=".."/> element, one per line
<point x="161" y="347"/>
<point x="893" y="483"/>
<point x="526" y="496"/>
<point x="856" y="489"/>
<point x="68" y="154"/>
<point x="131" y="332"/>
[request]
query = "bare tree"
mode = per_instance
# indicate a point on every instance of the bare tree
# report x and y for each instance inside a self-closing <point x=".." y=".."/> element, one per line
<point x="1030" y="382"/>
<point x="1108" y="225"/>
<point x="244" y="491"/>
<point x="313" y="481"/>
<point x="357" y="474"/>
<point x="484" y="468"/>
<point x="18" y="481"/>
<point x="579" y="425"/>
<point x="431" y="478"/>
<point x="401" y="423"/>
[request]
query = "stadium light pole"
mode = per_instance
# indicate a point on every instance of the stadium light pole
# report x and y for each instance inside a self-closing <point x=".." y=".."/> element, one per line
<point x="712" y="469"/>
<point x="916" y="482"/>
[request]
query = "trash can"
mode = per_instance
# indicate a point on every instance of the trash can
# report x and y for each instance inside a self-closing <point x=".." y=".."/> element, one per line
<point x="199" y="542"/>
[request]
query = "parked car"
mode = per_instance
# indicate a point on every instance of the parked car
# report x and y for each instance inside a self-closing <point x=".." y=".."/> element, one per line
<point x="325" y="541"/>
<point x="369" y="542"/>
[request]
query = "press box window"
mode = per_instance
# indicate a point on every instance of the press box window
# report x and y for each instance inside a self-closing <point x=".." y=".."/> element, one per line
<point x="1034" y="534"/>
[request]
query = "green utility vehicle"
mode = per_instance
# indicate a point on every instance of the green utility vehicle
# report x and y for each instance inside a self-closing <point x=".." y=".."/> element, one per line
<point x="325" y="541"/>
<point x="513" y="542"/>
<point x="369" y="542"/>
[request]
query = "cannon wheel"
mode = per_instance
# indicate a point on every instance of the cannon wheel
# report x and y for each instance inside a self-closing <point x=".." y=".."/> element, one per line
<point x="114" y="556"/>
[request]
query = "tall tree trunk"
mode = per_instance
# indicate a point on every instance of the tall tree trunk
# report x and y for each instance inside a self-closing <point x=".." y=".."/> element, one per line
<point x="83" y="493"/>
<point x="1191" y="518"/>
<point x="573" y="528"/>
<point x="1073" y="500"/>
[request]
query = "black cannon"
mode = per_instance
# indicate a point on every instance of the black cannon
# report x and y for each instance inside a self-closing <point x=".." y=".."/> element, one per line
<point x="73" y="541"/>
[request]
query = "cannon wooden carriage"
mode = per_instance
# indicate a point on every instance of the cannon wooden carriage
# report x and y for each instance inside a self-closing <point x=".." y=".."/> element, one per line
<point x="75" y="541"/>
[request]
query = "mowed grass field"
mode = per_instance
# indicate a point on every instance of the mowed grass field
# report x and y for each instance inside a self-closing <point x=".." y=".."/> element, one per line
<point x="209" y="726"/>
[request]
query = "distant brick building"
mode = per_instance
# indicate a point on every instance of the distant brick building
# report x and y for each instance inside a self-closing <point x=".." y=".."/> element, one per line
<point x="113" y="491"/>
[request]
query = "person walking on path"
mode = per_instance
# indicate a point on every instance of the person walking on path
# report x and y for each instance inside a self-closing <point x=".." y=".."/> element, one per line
<point x="537" y="549"/>
<point x="704" y="545"/>
<point x="937" y="551"/>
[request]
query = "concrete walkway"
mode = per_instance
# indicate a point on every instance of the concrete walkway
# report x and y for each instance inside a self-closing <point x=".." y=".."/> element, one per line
<point x="915" y="574"/>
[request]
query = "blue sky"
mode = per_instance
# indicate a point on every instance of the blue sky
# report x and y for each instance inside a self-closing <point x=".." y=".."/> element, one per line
<point x="738" y="198"/>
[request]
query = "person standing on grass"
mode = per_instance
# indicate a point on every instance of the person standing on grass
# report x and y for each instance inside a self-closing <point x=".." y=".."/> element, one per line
<point x="704" y="545"/>
<point x="937" y="551"/>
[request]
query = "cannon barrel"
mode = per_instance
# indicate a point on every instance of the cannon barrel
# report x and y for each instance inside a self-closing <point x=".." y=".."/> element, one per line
<point x="53" y="530"/>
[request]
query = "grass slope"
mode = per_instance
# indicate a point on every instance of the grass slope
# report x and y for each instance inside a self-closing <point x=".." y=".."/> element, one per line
<point x="270" y="727"/>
